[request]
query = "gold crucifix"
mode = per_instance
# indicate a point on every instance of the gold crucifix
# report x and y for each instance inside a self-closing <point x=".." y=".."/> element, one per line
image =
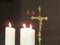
<point x="40" y="19"/>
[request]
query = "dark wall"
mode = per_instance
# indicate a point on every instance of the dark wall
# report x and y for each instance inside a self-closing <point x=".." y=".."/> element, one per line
<point x="15" y="11"/>
<point x="51" y="27"/>
<point x="6" y="0"/>
<point x="9" y="11"/>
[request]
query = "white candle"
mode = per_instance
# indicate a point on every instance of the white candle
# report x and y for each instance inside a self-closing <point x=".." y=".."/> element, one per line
<point x="27" y="36"/>
<point x="9" y="35"/>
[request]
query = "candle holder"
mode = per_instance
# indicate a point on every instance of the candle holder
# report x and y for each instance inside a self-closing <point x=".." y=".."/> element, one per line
<point x="40" y="19"/>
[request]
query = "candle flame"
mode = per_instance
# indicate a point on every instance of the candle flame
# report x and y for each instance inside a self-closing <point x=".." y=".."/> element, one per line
<point x="30" y="26"/>
<point x="27" y="11"/>
<point x="24" y="25"/>
<point x="9" y="24"/>
<point x="33" y="12"/>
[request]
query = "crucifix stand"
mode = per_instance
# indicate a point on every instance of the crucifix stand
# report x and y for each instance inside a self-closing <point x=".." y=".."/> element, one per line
<point x="40" y="19"/>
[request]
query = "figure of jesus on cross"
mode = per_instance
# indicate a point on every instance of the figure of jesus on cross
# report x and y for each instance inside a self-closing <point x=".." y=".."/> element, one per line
<point x="40" y="19"/>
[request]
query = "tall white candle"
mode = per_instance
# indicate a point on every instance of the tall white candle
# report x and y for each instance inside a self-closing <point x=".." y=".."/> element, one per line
<point x="27" y="36"/>
<point x="9" y="35"/>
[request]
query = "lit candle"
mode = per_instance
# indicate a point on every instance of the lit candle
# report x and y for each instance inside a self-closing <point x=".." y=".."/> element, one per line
<point x="27" y="36"/>
<point x="9" y="35"/>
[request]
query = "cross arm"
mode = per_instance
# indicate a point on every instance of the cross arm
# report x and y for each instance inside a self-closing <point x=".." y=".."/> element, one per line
<point x="34" y="18"/>
<point x="44" y="18"/>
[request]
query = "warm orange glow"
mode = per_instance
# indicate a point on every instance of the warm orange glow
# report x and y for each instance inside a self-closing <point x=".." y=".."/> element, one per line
<point x="24" y="25"/>
<point x="30" y="26"/>
<point x="9" y="24"/>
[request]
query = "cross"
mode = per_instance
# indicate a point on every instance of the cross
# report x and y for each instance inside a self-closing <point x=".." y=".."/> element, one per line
<point x="40" y="19"/>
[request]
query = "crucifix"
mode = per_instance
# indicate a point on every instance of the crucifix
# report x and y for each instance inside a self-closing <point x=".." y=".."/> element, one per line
<point x="40" y="19"/>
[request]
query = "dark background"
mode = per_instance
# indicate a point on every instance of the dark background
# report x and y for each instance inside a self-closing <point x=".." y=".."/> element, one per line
<point x="15" y="12"/>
